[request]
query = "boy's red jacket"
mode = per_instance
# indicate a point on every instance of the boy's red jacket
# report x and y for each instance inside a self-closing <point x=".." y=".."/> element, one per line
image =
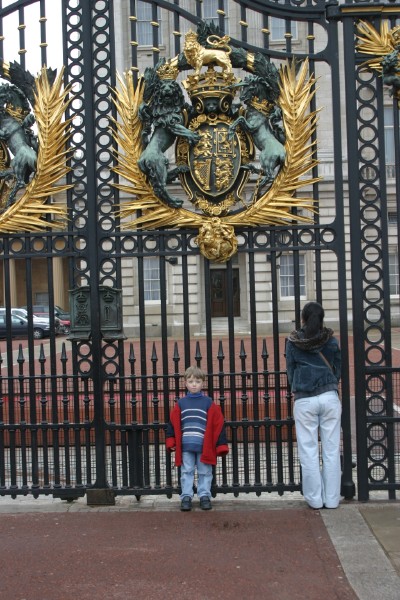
<point x="214" y="444"/>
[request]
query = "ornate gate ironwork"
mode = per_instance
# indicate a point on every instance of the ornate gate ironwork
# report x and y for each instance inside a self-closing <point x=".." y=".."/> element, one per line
<point x="87" y="414"/>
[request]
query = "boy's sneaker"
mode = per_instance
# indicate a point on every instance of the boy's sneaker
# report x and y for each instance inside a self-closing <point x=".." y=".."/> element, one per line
<point x="186" y="503"/>
<point x="205" y="503"/>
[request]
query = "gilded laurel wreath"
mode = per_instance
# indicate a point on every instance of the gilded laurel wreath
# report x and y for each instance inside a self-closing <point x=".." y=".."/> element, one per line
<point x="384" y="47"/>
<point x="216" y="237"/>
<point x="29" y="211"/>
<point x="377" y="43"/>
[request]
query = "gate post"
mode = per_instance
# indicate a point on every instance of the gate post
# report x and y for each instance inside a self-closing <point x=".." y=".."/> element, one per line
<point x="94" y="81"/>
<point x="348" y="488"/>
<point x="101" y="494"/>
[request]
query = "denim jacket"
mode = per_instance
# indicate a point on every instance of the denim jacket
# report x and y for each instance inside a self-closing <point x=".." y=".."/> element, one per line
<point x="307" y="372"/>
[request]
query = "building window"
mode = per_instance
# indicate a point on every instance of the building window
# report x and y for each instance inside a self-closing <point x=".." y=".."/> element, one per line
<point x="255" y="25"/>
<point x="279" y="29"/>
<point x="392" y="218"/>
<point x="151" y="279"/>
<point x="394" y="273"/>
<point x="288" y="285"/>
<point x="144" y="13"/>
<point x="389" y="142"/>
<point x="210" y="12"/>
<point x="42" y="298"/>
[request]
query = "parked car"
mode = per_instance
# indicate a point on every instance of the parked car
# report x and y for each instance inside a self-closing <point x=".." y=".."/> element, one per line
<point x="43" y="310"/>
<point x="43" y="320"/>
<point x="20" y="327"/>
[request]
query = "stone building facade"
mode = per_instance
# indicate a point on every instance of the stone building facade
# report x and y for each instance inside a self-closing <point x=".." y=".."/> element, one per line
<point x="325" y="98"/>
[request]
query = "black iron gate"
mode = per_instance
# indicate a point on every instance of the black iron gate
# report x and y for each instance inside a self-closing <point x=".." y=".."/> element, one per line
<point x="86" y="414"/>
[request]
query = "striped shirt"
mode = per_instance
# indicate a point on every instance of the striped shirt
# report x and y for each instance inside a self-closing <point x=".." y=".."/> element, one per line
<point x="194" y="408"/>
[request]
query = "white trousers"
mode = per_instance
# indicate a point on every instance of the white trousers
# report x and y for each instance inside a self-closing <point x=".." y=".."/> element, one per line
<point x="319" y="415"/>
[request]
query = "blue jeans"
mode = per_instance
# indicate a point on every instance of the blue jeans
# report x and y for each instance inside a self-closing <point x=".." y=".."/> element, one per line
<point x="313" y="415"/>
<point x="190" y="460"/>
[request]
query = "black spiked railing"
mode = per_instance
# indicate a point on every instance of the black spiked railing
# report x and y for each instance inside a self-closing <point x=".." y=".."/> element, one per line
<point x="60" y="429"/>
<point x="92" y="413"/>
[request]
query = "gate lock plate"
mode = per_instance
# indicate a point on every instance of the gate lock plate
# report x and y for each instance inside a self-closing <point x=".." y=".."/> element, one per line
<point x="82" y="320"/>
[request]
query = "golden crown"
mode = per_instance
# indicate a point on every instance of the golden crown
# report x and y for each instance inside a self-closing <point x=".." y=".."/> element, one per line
<point x="210" y="83"/>
<point x="396" y="34"/>
<point x="17" y="112"/>
<point x="168" y="71"/>
<point x="262" y="106"/>
<point x="191" y="35"/>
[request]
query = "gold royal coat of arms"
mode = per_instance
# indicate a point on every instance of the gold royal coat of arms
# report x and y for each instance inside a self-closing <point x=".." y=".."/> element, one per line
<point x="242" y="146"/>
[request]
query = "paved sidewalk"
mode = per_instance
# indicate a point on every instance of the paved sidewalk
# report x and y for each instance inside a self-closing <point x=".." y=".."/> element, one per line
<point x="367" y="541"/>
<point x="245" y="548"/>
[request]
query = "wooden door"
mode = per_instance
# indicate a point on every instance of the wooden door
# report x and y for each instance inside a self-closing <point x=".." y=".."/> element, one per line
<point x="220" y="291"/>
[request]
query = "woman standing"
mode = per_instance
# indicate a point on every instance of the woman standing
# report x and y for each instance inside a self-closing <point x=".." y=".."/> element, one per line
<point x="313" y="361"/>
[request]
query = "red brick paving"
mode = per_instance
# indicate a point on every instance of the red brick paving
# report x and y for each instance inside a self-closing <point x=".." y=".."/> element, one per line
<point x="272" y="554"/>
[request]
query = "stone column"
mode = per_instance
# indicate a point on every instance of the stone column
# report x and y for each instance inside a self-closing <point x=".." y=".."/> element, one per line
<point x="13" y="284"/>
<point x="58" y="280"/>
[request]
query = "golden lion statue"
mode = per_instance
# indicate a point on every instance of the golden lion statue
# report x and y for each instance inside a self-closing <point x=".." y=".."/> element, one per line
<point x="197" y="55"/>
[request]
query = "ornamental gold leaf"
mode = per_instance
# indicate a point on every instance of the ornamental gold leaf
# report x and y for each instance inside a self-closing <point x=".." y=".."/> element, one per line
<point x="274" y="206"/>
<point x="29" y="212"/>
<point x="378" y="44"/>
<point x="127" y="132"/>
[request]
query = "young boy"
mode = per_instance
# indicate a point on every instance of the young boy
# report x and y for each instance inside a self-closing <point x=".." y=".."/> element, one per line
<point x="196" y="433"/>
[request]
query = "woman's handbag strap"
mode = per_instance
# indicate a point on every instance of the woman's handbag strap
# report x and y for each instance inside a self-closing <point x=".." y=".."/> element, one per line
<point x="326" y="361"/>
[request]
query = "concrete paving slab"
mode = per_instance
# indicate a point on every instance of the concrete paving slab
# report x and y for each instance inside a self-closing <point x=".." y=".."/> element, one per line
<point x="384" y="522"/>
<point x="367" y="567"/>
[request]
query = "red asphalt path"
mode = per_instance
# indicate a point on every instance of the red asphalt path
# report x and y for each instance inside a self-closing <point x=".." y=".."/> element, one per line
<point x="229" y="555"/>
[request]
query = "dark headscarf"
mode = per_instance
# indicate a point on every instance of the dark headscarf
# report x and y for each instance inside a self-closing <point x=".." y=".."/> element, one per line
<point x="310" y="344"/>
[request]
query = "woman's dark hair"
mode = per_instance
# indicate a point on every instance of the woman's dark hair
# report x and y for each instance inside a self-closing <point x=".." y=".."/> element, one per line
<point x="313" y="319"/>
